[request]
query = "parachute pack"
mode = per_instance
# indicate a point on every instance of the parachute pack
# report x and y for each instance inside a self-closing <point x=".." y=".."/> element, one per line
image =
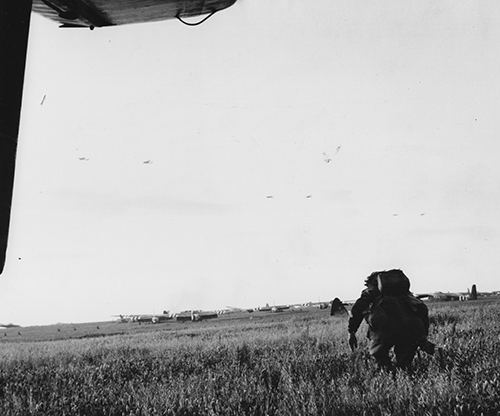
<point x="395" y="307"/>
<point x="393" y="283"/>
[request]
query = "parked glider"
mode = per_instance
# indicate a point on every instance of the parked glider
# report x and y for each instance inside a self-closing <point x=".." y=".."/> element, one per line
<point x="149" y="318"/>
<point x="14" y="28"/>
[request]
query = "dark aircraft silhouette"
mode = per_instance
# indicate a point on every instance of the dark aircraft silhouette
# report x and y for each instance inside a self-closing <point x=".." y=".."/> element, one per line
<point x="99" y="13"/>
<point x="14" y="28"/>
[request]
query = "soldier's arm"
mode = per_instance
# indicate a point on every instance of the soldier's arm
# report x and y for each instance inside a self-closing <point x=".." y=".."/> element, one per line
<point x="358" y="310"/>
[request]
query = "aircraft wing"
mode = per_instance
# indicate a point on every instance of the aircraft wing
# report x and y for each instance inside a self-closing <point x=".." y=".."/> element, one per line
<point x="98" y="13"/>
<point x="14" y="28"/>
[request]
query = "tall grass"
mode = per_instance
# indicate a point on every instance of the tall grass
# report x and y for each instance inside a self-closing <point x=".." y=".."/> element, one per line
<point x="294" y="366"/>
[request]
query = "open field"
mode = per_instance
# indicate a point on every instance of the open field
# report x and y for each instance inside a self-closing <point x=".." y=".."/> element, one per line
<point x="289" y="363"/>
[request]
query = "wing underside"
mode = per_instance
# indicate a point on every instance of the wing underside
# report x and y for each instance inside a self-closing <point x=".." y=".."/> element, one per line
<point x="14" y="28"/>
<point x="99" y="13"/>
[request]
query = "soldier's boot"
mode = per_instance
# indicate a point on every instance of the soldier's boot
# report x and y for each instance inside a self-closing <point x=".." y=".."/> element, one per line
<point x="380" y="352"/>
<point x="384" y="363"/>
<point x="427" y="346"/>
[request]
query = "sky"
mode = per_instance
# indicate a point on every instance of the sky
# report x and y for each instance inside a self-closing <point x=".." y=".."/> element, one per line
<point x="278" y="153"/>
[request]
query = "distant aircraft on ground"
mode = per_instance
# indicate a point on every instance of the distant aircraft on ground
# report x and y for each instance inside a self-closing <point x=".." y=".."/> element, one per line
<point x="14" y="28"/>
<point x="195" y="315"/>
<point x="146" y="318"/>
<point x="320" y="305"/>
<point x="279" y="308"/>
<point x="230" y="309"/>
<point x="203" y="315"/>
<point x="294" y="307"/>
<point x="471" y="294"/>
<point x="274" y="308"/>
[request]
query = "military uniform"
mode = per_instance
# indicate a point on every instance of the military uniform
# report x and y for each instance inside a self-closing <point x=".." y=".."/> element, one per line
<point x="401" y="322"/>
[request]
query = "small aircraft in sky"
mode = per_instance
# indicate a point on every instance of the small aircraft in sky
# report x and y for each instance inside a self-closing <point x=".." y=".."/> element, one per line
<point x="14" y="28"/>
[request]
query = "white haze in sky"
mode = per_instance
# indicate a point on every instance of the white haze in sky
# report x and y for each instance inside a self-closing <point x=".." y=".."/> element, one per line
<point x="278" y="153"/>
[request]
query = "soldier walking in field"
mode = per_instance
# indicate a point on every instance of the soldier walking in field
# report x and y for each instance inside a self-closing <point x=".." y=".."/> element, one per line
<point x="394" y="316"/>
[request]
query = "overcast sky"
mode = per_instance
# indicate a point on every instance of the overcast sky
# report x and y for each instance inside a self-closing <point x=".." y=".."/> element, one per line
<point x="278" y="153"/>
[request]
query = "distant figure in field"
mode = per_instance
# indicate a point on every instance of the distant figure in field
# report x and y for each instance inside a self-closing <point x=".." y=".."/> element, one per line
<point x="337" y="308"/>
<point x="473" y="293"/>
<point x="395" y="318"/>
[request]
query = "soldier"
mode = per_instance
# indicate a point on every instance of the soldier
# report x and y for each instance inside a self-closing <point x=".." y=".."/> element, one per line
<point x="337" y="308"/>
<point x="395" y="318"/>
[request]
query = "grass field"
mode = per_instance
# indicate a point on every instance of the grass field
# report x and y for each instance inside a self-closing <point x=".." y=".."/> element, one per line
<point x="292" y="363"/>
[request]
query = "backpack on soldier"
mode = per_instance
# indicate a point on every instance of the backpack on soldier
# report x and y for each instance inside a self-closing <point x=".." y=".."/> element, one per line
<point x="398" y="315"/>
<point x="393" y="307"/>
<point x="393" y="283"/>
